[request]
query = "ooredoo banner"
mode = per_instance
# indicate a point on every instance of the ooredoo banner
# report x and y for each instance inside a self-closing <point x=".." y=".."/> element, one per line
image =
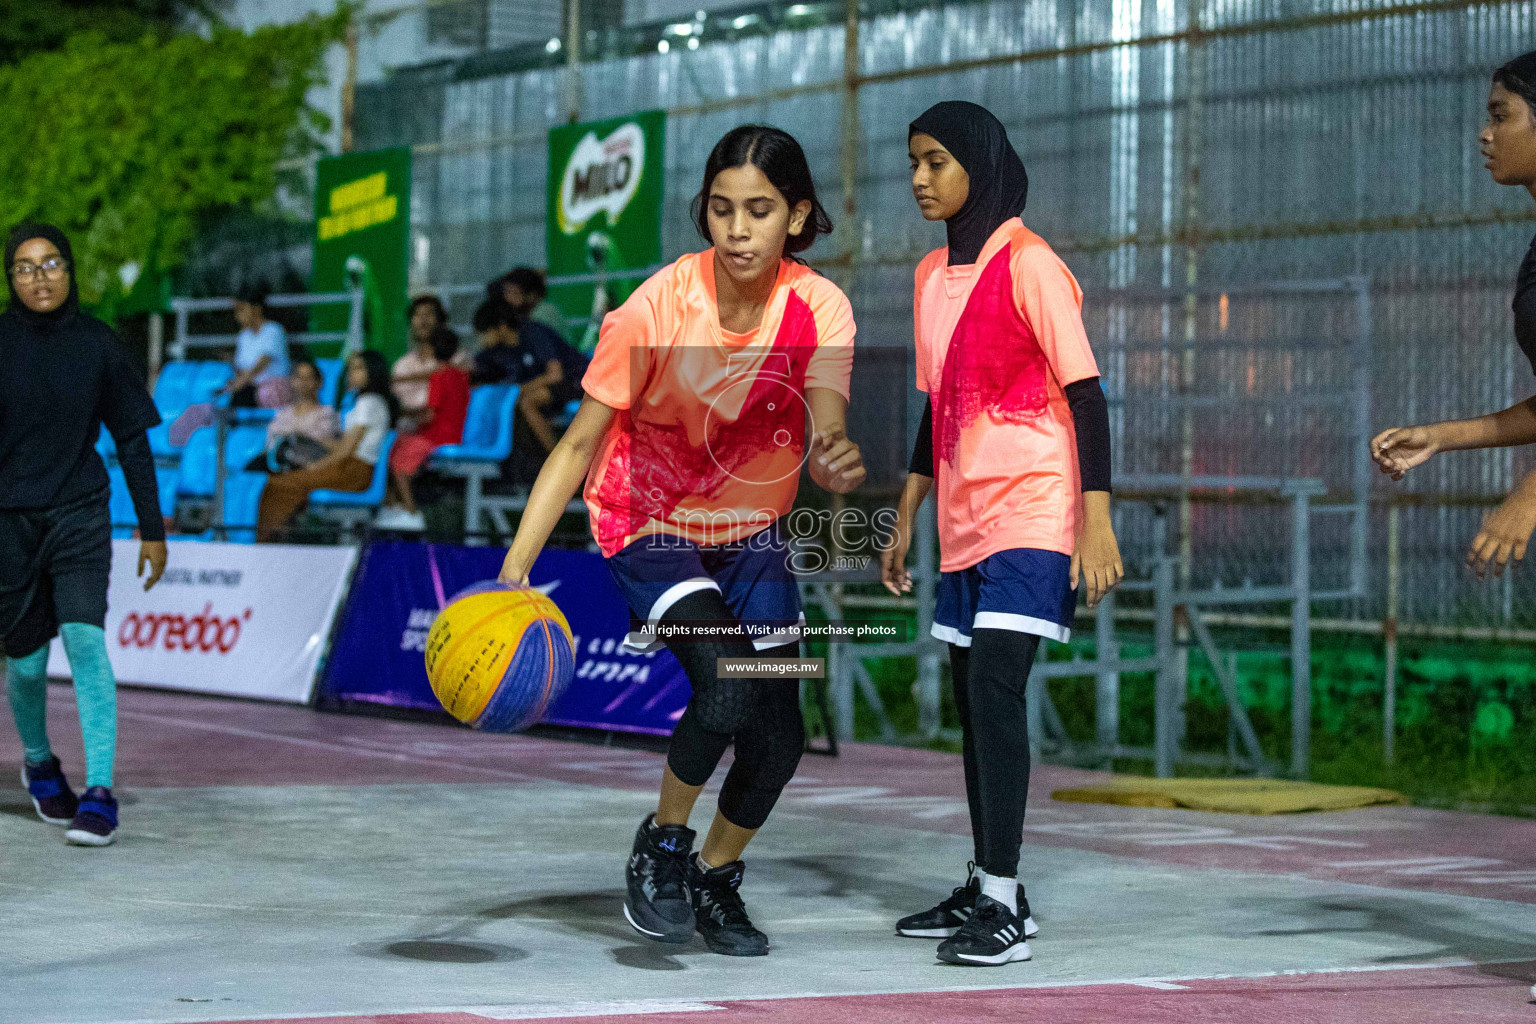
<point x="378" y="656"/>
<point x="246" y="620"/>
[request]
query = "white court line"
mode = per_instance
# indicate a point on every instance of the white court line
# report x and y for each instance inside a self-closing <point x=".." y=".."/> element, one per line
<point x="230" y="730"/>
<point x="587" y="1009"/>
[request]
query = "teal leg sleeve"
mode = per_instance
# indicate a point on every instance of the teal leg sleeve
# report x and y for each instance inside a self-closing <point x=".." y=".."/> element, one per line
<point x="26" y="683"/>
<point x="96" y="695"/>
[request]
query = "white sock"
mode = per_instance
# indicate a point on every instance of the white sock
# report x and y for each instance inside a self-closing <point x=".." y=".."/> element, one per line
<point x="704" y="865"/>
<point x="1004" y="890"/>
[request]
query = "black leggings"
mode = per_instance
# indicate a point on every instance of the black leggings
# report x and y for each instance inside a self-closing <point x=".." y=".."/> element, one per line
<point x="990" y="678"/>
<point x="762" y="716"/>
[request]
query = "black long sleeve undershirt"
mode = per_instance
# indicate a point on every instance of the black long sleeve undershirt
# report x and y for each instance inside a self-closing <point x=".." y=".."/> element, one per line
<point x="138" y="464"/>
<point x="1090" y="422"/>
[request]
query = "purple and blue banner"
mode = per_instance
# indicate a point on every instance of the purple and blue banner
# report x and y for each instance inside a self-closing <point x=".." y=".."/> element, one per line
<point x="377" y="657"/>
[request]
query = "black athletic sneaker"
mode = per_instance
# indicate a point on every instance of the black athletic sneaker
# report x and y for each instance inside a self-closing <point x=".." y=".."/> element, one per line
<point x="721" y="916"/>
<point x="51" y="796"/>
<point x="945" y="919"/>
<point x="658" y="905"/>
<point x="95" y="822"/>
<point x="993" y="935"/>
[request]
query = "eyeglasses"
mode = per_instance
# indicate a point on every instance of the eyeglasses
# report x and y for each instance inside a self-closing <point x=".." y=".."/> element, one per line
<point x="51" y="269"/>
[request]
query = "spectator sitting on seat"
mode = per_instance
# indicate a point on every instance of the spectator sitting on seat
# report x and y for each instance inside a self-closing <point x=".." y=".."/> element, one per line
<point x="440" y="423"/>
<point x="303" y="430"/>
<point x="414" y="370"/>
<point x="349" y="466"/>
<point x="260" y="364"/>
<point x="524" y="289"/>
<point x="547" y="371"/>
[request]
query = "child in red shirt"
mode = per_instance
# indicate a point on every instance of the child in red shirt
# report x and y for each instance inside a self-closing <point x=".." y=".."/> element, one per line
<point x="441" y="422"/>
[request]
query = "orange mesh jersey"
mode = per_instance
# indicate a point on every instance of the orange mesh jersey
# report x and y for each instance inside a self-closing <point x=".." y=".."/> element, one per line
<point x="997" y="341"/>
<point x="710" y="434"/>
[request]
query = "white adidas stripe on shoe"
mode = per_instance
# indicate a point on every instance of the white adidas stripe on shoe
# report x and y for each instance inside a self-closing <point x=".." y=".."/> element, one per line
<point x="1015" y="953"/>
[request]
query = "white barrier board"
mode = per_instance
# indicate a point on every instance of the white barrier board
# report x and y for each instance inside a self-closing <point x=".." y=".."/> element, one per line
<point x="249" y="620"/>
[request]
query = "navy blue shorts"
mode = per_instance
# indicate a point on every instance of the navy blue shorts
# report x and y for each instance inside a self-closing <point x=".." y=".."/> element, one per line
<point x="753" y="575"/>
<point x="1023" y="589"/>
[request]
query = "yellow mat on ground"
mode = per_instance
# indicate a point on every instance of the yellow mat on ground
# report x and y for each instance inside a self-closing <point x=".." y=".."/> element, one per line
<point x="1230" y="796"/>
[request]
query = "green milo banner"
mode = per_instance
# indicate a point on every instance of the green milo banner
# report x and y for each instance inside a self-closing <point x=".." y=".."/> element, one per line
<point x="363" y="217"/>
<point x="603" y="217"/>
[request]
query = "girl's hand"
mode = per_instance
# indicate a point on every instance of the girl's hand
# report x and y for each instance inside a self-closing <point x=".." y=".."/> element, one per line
<point x="1096" y="558"/>
<point x="1506" y="532"/>
<point x="1398" y="450"/>
<point x="151" y="556"/>
<point x="836" y="463"/>
<point x="893" y="559"/>
<point x="513" y="572"/>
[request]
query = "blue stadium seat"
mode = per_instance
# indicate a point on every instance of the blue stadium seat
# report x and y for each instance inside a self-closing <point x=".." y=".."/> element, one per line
<point x="210" y="377"/>
<point x="125" y="520"/>
<point x="257" y="417"/>
<point x="106" y="446"/>
<point x="487" y="427"/>
<point x="160" y="440"/>
<point x="487" y="442"/>
<point x="242" y="445"/>
<point x="199" y="460"/>
<point x="564" y="417"/>
<point x="242" y="498"/>
<point x="354" y="507"/>
<point x="173" y="389"/>
<point x="120" y="505"/>
<point x="330" y="379"/>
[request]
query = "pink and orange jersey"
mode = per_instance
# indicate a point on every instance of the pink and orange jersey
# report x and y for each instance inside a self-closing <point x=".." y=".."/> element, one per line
<point x="711" y="427"/>
<point x="997" y="342"/>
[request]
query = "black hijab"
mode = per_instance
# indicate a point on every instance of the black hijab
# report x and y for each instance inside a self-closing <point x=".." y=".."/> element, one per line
<point x="66" y="310"/>
<point x="999" y="185"/>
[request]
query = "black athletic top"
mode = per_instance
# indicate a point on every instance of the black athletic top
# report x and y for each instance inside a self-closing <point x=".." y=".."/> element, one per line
<point x="1525" y="305"/>
<point x="58" y="384"/>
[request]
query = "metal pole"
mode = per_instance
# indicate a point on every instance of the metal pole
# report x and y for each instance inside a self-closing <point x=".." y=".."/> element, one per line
<point x="354" y="342"/>
<point x="221" y="434"/>
<point x="1362" y="464"/>
<point x="1106" y="684"/>
<point x="179" y="345"/>
<point x="349" y="89"/>
<point x="1301" y="635"/>
<point x="1164" y="742"/>
<point x="1164" y="738"/>
<point x="573" y="61"/>
<point x="1389" y="639"/>
<point x="156" y="346"/>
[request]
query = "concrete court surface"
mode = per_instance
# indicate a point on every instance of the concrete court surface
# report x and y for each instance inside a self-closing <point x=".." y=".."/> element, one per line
<point x="281" y="864"/>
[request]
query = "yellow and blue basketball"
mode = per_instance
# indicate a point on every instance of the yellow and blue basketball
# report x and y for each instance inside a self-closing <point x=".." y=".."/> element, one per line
<point x="499" y="656"/>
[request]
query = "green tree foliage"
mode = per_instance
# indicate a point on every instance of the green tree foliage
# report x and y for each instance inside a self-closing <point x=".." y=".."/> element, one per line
<point x="127" y="145"/>
<point x="29" y="27"/>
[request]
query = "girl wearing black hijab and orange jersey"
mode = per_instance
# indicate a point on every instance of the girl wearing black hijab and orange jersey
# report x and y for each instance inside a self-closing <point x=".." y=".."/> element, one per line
<point x="1018" y="431"/>
<point x="1508" y="144"/>
<point x="63" y="375"/>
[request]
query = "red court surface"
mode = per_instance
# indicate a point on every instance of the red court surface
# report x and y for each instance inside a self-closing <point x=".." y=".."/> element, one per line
<point x="181" y="740"/>
<point x="1421" y="996"/>
<point x="1388" y="915"/>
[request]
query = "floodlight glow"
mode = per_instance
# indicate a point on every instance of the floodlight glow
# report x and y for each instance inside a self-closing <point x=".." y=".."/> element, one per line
<point x="553" y="46"/>
<point x="663" y="46"/>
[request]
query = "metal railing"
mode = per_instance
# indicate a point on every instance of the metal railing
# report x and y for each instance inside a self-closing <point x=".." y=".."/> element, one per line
<point x="183" y="341"/>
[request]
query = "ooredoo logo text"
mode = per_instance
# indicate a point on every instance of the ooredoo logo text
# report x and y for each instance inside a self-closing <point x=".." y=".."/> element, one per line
<point x="205" y="631"/>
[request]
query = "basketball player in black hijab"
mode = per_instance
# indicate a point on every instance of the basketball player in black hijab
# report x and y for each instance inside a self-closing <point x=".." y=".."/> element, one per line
<point x="1508" y="144"/>
<point x="63" y="375"/>
<point x="1018" y="429"/>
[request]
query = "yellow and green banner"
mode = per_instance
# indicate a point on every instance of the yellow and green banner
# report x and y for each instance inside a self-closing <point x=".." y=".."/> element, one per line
<point x="363" y="213"/>
<point x="604" y="207"/>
